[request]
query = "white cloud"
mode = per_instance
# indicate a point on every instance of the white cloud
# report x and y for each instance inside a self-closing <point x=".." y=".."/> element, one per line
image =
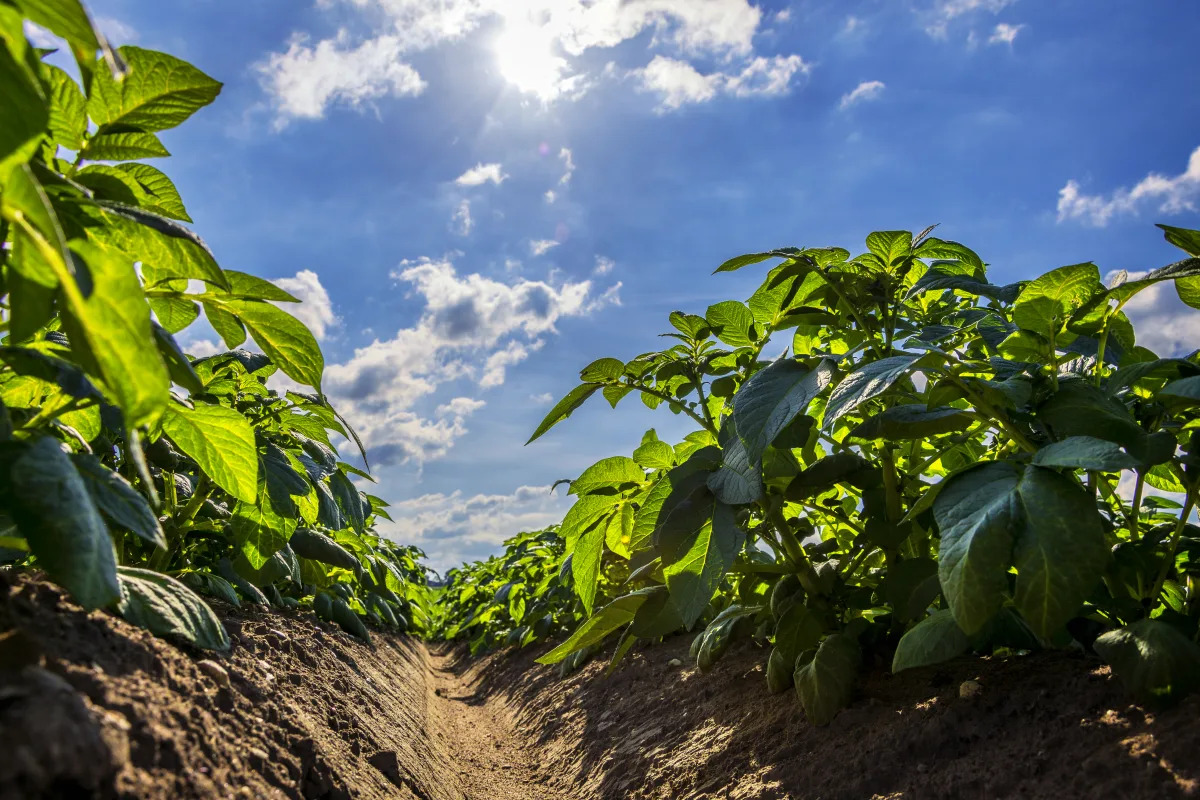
<point x="315" y="308"/>
<point x="1171" y="195"/>
<point x="783" y="15"/>
<point x="550" y="196"/>
<point x="461" y="223"/>
<point x="453" y="527"/>
<point x="863" y="93"/>
<point x="471" y="328"/>
<point x="116" y="31"/>
<point x="481" y="174"/>
<point x="1160" y="319"/>
<point x="568" y="165"/>
<point x="543" y="399"/>
<point x="678" y="83"/>
<point x="603" y="265"/>
<point x="539" y="247"/>
<point x="944" y="12"/>
<point x="853" y="24"/>
<point x="305" y="80"/>
<point x="202" y="348"/>
<point x="536" y="46"/>
<point x="1005" y="34"/>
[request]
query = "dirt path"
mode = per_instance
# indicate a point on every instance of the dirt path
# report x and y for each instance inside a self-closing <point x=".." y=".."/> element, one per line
<point x="480" y="738"/>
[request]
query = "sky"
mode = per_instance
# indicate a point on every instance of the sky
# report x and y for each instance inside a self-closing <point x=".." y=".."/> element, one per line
<point x="476" y="198"/>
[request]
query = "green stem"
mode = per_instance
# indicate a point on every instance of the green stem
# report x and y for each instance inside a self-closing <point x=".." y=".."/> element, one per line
<point x="803" y="567"/>
<point x="1135" y="510"/>
<point x="671" y="401"/>
<point x="1188" y="502"/>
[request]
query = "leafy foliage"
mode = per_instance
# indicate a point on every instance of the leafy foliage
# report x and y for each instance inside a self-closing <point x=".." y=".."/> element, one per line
<point x="932" y="464"/>
<point x="134" y="475"/>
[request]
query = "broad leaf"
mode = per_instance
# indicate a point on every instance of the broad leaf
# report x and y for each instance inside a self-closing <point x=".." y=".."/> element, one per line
<point x="123" y="146"/>
<point x="166" y="607"/>
<point x="935" y="639"/>
<point x="221" y="441"/>
<point x="772" y="398"/>
<point x="867" y="381"/>
<point x="259" y="532"/>
<point x="608" y="473"/>
<point x="291" y="346"/>
<point x="563" y="408"/>
<point x="739" y="479"/>
<point x="732" y="323"/>
<point x="1085" y="452"/>
<point x="160" y="92"/>
<point x="696" y="574"/>
<point x="1046" y="303"/>
<point x="1155" y="661"/>
<point x="608" y="619"/>
<point x="119" y="502"/>
<point x="825" y="684"/>
<point x="913" y="421"/>
<point x="55" y="513"/>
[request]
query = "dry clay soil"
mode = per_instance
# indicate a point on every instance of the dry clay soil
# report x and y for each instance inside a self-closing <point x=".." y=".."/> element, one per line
<point x="93" y="707"/>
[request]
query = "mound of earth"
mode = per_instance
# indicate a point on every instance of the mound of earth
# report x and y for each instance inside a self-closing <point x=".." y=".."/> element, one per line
<point x="93" y="707"/>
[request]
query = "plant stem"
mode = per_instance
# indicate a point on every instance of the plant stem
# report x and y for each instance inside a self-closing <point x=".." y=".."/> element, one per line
<point x="1188" y="502"/>
<point x="671" y="401"/>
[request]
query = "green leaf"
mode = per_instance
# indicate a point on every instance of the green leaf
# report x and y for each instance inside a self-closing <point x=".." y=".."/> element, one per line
<point x="221" y="441"/>
<point x="998" y="515"/>
<point x="51" y="505"/>
<point x="865" y="382"/>
<point x="1155" y="661"/>
<point x="109" y="332"/>
<point x="1079" y="408"/>
<point x="616" y="614"/>
<point x="123" y="146"/>
<point x="935" y="639"/>
<point x="1183" y="388"/>
<point x="119" y="502"/>
<point x="910" y="586"/>
<point x="696" y="575"/>
<point x="230" y="329"/>
<point x="913" y="421"/>
<point x="178" y="366"/>
<point x="586" y="559"/>
<point x="825" y="684"/>
<point x="654" y="455"/>
<point x="167" y="250"/>
<point x="608" y="473"/>
<point x="164" y="196"/>
<point x="690" y="325"/>
<point x="347" y="498"/>
<point x="1047" y="303"/>
<point x="739" y="479"/>
<point x="166" y="607"/>
<point x="1183" y="238"/>
<point x="797" y="631"/>
<point x="737" y="262"/>
<point x="290" y="345"/>
<point x="732" y="323"/>
<point x="602" y="370"/>
<point x="563" y="408"/>
<point x="773" y="397"/>
<point x="160" y="92"/>
<point x="68" y="122"/>
<point x="259" y="532"/>
<point x="26" y="112"/>
<point x="65" y="18"/>
<point x="1085" y="452"/>
<point x="174" y="313"/>
<point x="890" y="245"/>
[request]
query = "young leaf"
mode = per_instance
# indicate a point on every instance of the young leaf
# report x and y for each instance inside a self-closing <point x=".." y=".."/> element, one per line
<point x="1183" y="238"/>
<point x="935" y="639"/>
<point x="54" y="511"/>
<point x="608" y="473"/>
<point x="166" y="607"/>
<point x="563" y="408"/>
<point x="732" y="323"/>
<point x="825" y="684"/>
<point x="221" y="441"/>
<point x="1046" y="303"/>
<point x="258" y="532"/>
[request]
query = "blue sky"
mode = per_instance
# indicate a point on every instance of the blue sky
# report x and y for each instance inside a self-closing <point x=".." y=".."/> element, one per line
<point x="478" y="197"/>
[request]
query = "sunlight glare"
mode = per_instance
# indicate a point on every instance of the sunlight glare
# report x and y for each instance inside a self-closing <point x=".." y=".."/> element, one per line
<point x="526" y="58"/>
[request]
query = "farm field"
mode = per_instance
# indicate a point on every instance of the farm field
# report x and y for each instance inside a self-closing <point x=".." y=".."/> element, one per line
<point x="868" y="519"/>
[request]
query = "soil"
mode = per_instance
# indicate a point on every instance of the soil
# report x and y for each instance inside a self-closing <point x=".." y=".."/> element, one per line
<point x="93" y="707"/>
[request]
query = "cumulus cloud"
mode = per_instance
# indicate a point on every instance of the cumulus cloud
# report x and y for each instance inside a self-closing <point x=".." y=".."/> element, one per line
<point x="539" y="247"/>
<point x="534" y="38"/>
<point x="315" y="308"/>
<point x="944" y="12"/>
<point x="304" y="80"/>
<point x="863" y="93"/>
<point x="481" y="174"/>
<point x="471" y="328"/>
<point x="678" y="83"/>
<point x="1168" y="194"/>
<point x="453" y="527"/>
<point x="461" y="223"/>
<point x="1005" y="34"/>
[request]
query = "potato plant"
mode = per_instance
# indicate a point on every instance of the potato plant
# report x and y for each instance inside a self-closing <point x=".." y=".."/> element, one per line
<point x="129" y="471"/>
<point x="897" y="461"/>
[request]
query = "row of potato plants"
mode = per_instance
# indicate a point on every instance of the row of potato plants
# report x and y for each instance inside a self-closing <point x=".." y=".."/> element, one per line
<point x="130" y="473"/>
<point x="896" y="461"/>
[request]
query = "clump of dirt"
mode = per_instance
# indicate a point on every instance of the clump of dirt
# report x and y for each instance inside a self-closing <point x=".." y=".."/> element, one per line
<point x="1050" y="725"/>
<point x="91" y="706"/>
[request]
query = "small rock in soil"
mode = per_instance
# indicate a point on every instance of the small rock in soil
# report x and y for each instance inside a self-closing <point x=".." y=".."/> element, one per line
<point x="674" y="662"/>
<point x="969" y="689"/>
<point x="215" y="671"/>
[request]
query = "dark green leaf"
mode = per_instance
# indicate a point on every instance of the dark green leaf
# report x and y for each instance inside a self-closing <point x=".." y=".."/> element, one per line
<point x="867" y="381"/>
<point x="913" y="421"/>
<point x="768" y="402"/>
<point x="825" y="684"/>
<point x="1155" y="661"/>
<point x="935" y="639"/>
<point x="1085" y="452"/>
<point x="166" y="607"/>
<point x="117" y="500"/>
<point x="696" y="574"/>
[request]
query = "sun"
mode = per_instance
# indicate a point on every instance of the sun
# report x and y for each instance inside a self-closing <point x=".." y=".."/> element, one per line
<point x="526" y="58"/>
